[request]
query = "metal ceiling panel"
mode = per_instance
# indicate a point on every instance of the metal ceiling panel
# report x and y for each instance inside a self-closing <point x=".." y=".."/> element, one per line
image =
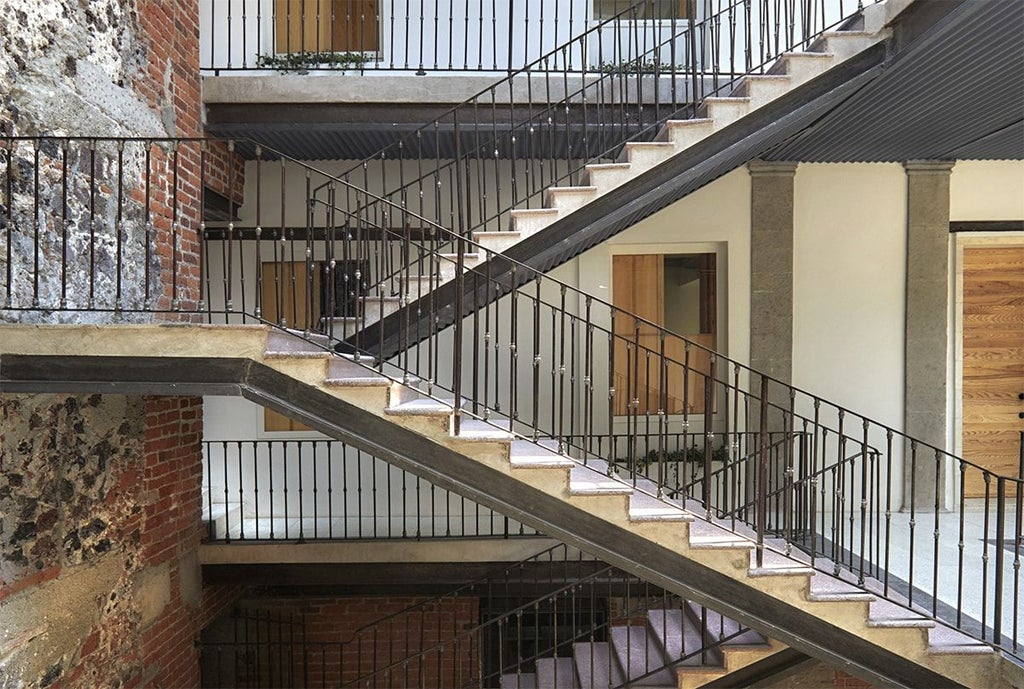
<point x="958" y="92"/>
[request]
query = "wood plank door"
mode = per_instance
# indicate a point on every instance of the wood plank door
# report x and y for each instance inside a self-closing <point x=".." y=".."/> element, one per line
<point x="638" y="287"/>
<point x="993" y="360"/>
<point x="326" y="26"/>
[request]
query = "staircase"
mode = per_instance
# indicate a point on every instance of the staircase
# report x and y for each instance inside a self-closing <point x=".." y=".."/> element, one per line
<point x="676" y="648"/>
<point x="716" y="121"/>
<point x="625" y="521"/>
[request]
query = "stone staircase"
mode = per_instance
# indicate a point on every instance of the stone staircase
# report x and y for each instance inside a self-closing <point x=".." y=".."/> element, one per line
<point x="664" y="653"/>
<point x="618" y="521"/>
<point x="752" y="92"/>
<point x="634" y="507"/>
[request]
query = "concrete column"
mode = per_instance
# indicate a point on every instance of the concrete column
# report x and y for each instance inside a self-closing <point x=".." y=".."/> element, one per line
<point x="926" y="350"/>
<point x="771" y="268"/>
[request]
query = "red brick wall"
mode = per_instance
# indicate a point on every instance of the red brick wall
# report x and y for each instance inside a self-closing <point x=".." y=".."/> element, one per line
<point x="171" y="529"/>
<point x="339" y="656"/>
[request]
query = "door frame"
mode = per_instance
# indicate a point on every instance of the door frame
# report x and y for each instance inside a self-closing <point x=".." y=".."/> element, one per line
<point x="961" y="241"/>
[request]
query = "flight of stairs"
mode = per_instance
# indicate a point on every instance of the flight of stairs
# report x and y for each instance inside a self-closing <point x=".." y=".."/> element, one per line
<point x="668" y="523"/>
<point x="667" y="529"/>
<point x="662" y="653"/>
<point x="752" y="92"/>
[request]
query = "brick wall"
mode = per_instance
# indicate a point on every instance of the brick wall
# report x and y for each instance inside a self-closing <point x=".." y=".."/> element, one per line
<point x="337" y="655"/>
<point x="99" y="533"/>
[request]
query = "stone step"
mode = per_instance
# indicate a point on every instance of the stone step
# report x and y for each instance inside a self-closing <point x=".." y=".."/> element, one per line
<point x="639" y="653"/>
<point x="643" y="155"/>
<point x="596" y="665"/>
<point x="801" y="67"/>
<point x="607" y="176"/>
<point x="497" y="242"/>
<point x="762" y="89"/>
<point x="527" y="221"/>
<point x="725" y="110"/>
<point x="685" y="133"/>
<point x="523" y="680"/>
<point x="557" y="673"/>
<point x="569" y="199"/>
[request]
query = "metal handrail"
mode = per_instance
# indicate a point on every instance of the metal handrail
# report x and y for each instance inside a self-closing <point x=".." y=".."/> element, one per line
<point x="83" y="221"/>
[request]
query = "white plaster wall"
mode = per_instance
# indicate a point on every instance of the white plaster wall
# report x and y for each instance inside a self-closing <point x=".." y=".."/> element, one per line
<point x="848" y="286"/>
<point x="987" y="190"/>
<point x="713" y="219"/>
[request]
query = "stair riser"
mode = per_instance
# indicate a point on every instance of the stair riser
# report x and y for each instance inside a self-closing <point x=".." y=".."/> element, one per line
<point x="527" y="223"/>
<point x="607" y="179"/>
<point x="309" y="371"/>
<point x="568" y="201"/>
<point x="845" y="46"/>
<point x="765" y="90"/>
<point x="802" y="69"/>
<point x="497" y="242"/>
<point x="373" y="307"/>
<point x="643" y="157"/>
<point x="725" y="113"/>
<point x="684" y="136"/>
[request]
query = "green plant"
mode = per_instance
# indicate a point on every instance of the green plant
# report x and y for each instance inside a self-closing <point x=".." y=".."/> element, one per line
<point x="637" y="66"/>
<point x="302" y="61"/>
<point x="694" y="455"/>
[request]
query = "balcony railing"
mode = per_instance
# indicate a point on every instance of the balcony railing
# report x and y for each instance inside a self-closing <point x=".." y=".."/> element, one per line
<point x="305" y="490"/>
<point x="105" y="231"/>
<point x="419" y="37"/>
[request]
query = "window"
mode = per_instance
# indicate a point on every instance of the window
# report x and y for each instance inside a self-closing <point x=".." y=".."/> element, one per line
<point x="677" y="292"/>
<point x="316" y="26"/>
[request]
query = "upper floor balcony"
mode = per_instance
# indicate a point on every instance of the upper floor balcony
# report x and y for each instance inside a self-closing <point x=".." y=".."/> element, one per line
<point x="371" y="69"/>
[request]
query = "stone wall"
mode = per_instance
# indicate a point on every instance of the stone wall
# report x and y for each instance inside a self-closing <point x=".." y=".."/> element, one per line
<point x="99" y="532"/>
<point x="103" y="226"/>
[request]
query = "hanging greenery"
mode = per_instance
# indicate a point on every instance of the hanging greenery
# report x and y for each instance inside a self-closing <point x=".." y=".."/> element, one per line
<point x="304" y="61"/>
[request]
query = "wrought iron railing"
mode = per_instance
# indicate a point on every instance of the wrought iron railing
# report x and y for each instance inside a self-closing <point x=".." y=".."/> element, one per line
<point x="422" y="37"/>
<point x="526" y="352"/>
<point x="540" y="126"/>
<point x="533" y="611"/>
<point x="305" y="490"/>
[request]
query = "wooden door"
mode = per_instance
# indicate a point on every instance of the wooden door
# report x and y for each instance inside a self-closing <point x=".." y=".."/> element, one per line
<point x="286" y="291"/>
<point x="993" y="360"/>
<point x="638" y="287"/>
<point x="326" y="26"/>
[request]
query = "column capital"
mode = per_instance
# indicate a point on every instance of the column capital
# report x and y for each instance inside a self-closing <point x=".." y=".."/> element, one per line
<point x="771" y="168"/>
<point x="928" y="167"/>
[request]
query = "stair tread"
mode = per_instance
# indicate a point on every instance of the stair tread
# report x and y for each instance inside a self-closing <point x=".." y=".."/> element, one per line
<point x="585" y="480"/>
<point x="527" y="453"/>
<point x="644" y="507"/>
<point x="639" y="653"/>
<point x="595" y="665"/>
<point x="720" y="626"/>
<point x="524" y="680"/>
<point x="883" y="613"/>
<point x="423" y="405"/>
<point x="556" y="673"/>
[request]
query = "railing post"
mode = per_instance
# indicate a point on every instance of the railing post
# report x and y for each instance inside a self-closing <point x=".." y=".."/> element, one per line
<point x="997" y="620"/>
<point x="762" y="471"/>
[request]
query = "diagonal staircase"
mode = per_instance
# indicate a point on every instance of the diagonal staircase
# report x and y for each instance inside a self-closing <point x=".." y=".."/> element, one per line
<point x="682" y="647"/>
<point x="580" y="501"/>
<point x="540" y="219"/>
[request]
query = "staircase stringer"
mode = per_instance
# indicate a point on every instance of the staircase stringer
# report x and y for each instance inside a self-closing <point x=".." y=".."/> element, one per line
<point x="159" y="360"/>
